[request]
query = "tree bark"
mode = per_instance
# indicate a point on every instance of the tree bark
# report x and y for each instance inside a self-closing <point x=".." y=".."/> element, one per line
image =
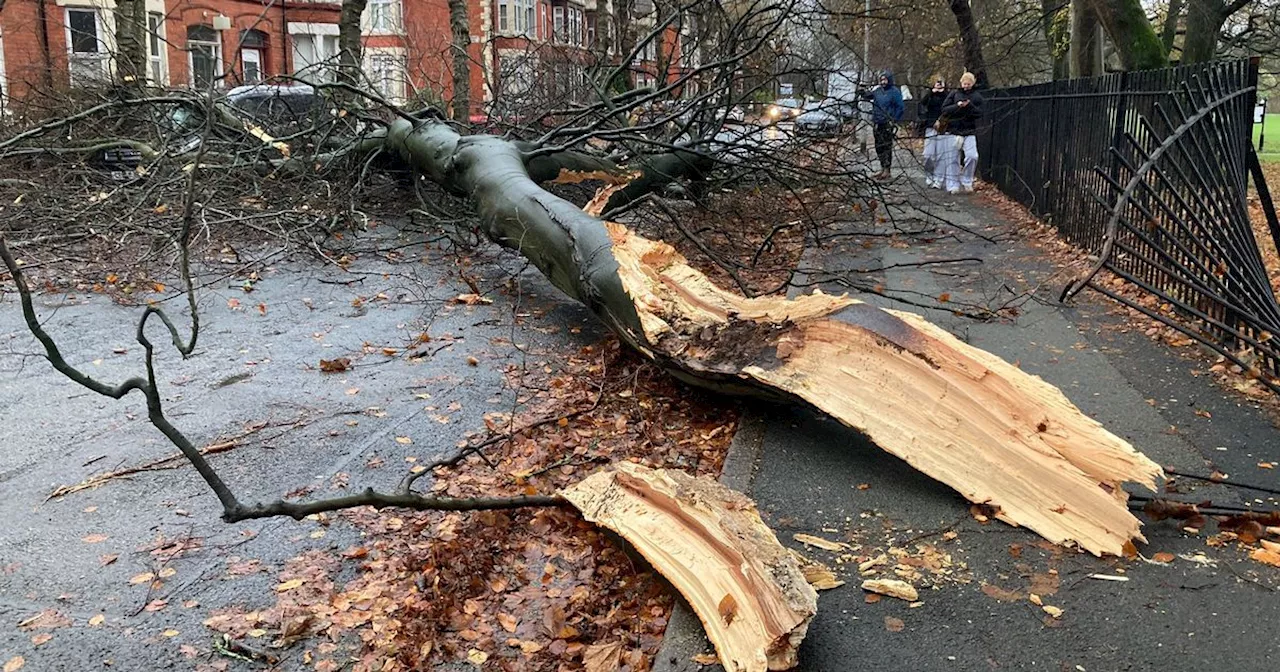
<point x="1169" y="32"/>
<point x="460" y="24"/>
<point x="1205" y="19"/>
<point x="350" y="44"/>
<point x="1056" y="17"/>
<point x="131" y="43"/>
<point x="1086" y="40"/>
<point x="972" y="41"/>
<point x="963" y="416"/>
<point x="1130" y="31"/>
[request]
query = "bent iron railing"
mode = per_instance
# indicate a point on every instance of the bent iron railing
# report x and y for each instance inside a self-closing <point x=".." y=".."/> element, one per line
<point x="1153" y="179"/>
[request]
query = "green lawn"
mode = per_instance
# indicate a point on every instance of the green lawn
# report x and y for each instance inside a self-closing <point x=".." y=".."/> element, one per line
<point x="1271" y="150"/>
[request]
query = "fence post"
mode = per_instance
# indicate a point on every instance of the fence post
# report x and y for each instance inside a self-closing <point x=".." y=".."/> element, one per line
<point x="1117" y="136"/>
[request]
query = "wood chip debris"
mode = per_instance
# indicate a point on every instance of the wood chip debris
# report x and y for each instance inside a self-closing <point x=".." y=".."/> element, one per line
<point x="891" y="588"/>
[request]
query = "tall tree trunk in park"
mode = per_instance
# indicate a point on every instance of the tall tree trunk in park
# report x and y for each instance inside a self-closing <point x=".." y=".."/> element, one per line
<point x="971" y="40"/>
<point x="1169" y="32"/>
<point x="1086" y="40"/>
<point x="1056" y="17"/>
<point x="1130" y="31"/>
<point x="350" y="46"/>
<point x="1205" y="19"/>
<point x="460" y="25"/>
<point x="131" y="43"/>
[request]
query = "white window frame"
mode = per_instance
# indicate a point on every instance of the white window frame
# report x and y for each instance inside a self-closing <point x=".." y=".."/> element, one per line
<point x="4" y="79"/>
<point x="383" y="17"/>
<point x="558" y="23"/>
<point x="99" y="64"/>
<point x="218" y="82"/>
<point x="157" y="54"/>
<point x="504" y="19"/>
<point x="398" y="91"/>
<point x="517" y="18"/>
<point x="320" y="34"/>
<point x="251" y="55"/>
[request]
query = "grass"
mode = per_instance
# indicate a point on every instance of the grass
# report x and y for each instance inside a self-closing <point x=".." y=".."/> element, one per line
<point x="1271" y="151"/>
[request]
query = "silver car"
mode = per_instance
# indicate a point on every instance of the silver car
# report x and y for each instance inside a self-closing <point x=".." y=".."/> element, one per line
<point x="818" y="118"/>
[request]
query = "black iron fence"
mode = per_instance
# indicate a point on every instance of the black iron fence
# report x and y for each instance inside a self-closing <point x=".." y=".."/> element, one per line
<point x="1149" y="171"/>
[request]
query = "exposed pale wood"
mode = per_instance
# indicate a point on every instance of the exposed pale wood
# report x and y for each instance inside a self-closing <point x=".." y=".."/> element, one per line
<point x="893" y="588"/>
<point x="963" y="416"/>
<point x="710" y="543"/>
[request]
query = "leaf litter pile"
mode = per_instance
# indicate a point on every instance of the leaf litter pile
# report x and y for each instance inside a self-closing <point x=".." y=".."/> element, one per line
<point x="536" y="589"/>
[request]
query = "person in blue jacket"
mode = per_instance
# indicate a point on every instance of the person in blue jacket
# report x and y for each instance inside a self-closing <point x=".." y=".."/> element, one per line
<point x="886" y="111"/>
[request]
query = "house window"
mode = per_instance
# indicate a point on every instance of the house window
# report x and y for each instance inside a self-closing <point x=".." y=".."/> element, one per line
<point x="575" y="26"/>
<point x="386" y="70"/>
<point x="253" y="44"/>
<point x="157" y="59"/>
<point x="591" y="29"/>
<point x="86" y="51"/>
<point x="382" y="17"/>
<point x="516" y="16"/>
<point x="315" y="50"/>
<point x="558" y="23"/>
<point x="204" y="46"/>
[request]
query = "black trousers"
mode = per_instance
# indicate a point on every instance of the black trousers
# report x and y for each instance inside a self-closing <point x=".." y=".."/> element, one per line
<point x="884" y="135"/>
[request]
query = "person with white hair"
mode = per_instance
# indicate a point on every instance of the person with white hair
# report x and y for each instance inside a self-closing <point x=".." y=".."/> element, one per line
<point x="961" y="113"/>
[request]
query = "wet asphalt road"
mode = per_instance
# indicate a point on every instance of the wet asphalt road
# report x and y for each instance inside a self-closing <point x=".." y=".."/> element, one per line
<point x="249" y="368"/>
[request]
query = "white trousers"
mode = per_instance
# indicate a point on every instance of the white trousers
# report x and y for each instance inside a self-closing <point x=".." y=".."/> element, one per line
<point x="960" y="175"/>
<point x="933" y="155"/>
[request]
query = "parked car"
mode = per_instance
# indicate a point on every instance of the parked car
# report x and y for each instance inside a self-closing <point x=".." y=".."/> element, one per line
<point x="277" y="107"/>
<point x="819" y="118"/>
<point x="785" y="109"/>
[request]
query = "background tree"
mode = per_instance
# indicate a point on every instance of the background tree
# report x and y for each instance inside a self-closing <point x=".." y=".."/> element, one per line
<point x="1135" y="41"/>
<point x="971" y="41"/>
<point x="460" y="29"/>
<point x="131" y="43"/>
<point x="1086" y="39"/>
<point x="350" y="44"/>
<point x="1205" y="19"/>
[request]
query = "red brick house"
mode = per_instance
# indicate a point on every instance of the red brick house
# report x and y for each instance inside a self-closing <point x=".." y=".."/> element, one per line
<point x="519" y="48"/>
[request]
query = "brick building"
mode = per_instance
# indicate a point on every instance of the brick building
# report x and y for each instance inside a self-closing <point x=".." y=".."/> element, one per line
<point x="519" y="48"/>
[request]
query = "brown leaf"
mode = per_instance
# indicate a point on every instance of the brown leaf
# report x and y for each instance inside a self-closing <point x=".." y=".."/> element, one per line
<point x="335" y="365"/>
<point x="142" y="578"/>
<point x="1163" y="556"/>
<point x="472" y="300"/>
<point x="728" y="609"/>
<point x="1266" y="556"/>
<point x="14" y="664"/>
<point x="602" y="657"/>
<point x="42" y="638"/>
<point x="288" y="585"/>
<point x="893" y="624"/>
<point x="108" y="559"/>
<point x="94" y="538"/>
<point x="1000" y="594"/>
<point x="508" y="622"/>
<point x="872" y="598"/>
<point x="97" y="620"/>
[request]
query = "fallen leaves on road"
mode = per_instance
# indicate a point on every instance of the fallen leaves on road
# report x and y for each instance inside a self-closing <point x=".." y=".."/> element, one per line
<point x="94" y="538"/>
<point x="14" y="664"/>
<point x="42" y="638"/>
<point x="519" y="590"/>
<point x="1163" y="557"/>
<point x="1000" y="594"/>
<point x="335" y="365"/>
<point x="894" y="624"/>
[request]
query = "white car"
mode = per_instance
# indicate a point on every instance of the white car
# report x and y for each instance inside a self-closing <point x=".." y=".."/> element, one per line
<point x="784" y="109"/>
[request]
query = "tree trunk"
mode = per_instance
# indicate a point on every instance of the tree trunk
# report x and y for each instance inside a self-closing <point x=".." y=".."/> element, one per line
<point x="1130" y="31"/>
<point x="963" y="416"/>
<point x="1086" y="40"/>
<point x="1169" y="33"/>
<point x="461" y="27"/>
<point x="1057" y="35"/>
<point x="131" y="43"/>
<point x="1205" y="19"/>
<point x="350" y="45"/>
<point x="972" y="41"/>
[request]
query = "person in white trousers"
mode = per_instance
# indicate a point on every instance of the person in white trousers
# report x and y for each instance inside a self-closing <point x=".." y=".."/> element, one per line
<point x="961" y="113"/>
<point x="929" y="110"/>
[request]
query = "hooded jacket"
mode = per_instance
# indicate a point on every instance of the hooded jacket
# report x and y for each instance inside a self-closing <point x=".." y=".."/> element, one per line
<point x="963" y="120"/>
<point x="886" y="101"/>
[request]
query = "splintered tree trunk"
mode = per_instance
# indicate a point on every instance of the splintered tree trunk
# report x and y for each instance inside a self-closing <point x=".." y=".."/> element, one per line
<point x="350" y="46"/>
<point x="461" y="27"/>
<point x="131" y="43"/>
<point x="972" y="41"/>
<point x="709" y="542"/>
<point x="997" y="435"/>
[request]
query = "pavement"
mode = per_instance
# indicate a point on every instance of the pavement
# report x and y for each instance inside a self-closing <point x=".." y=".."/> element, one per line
<point x="1208" y="608"/>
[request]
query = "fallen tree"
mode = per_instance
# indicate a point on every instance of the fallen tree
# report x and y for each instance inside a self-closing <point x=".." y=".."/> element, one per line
<point x="997" y="435"/>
